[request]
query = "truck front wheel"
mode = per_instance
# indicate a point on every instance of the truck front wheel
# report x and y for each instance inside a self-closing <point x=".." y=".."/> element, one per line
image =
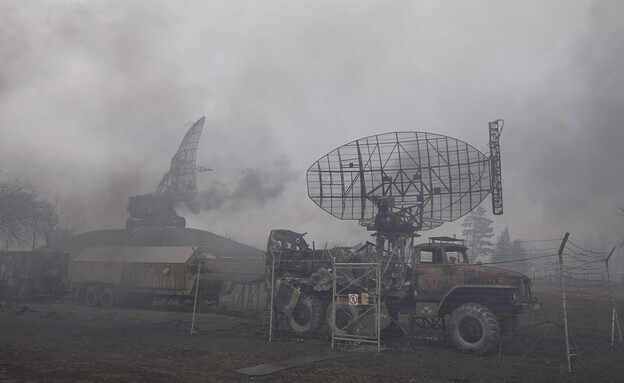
<point x="474" y="328"/>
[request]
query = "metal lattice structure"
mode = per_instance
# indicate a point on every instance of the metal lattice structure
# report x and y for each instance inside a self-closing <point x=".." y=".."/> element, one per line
<point x="181" y="179"/>
<point x="424" y="179"/>
<point x="496" y="128"/>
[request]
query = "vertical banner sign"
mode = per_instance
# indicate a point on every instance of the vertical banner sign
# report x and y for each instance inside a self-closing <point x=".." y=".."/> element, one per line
<point x="353" y="299"/>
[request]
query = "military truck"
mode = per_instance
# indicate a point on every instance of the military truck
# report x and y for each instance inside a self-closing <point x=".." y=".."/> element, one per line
<point x="106" y="276"/>
<point x="434" y="283"/>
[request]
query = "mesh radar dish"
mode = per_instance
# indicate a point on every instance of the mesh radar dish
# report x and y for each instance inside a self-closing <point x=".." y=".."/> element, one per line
<point x="403" y="182"/>
<point x="179" y="184"/>
<point x="181" y="179"/>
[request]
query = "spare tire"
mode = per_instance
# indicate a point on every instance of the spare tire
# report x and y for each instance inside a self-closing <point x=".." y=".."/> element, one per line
<point x="474" y="328"/>
<point x="306" y="316"/>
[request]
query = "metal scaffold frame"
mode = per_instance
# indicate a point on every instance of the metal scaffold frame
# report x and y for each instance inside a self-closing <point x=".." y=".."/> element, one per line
<point x="356" y="302"/>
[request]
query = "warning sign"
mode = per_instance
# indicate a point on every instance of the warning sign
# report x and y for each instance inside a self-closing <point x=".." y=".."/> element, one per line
<point x="364" y="298"/>
<point x="353" y="299"/>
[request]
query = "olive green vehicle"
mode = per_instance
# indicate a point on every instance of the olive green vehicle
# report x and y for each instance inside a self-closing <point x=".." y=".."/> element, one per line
<point x="434" y="285"/>
<point x="107" y="276"/>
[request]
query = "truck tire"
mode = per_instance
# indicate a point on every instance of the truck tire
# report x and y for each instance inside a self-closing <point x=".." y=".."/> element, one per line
<point x="306" y="316"/>
<point x="474" y="328"/>
<point x="345" y="313"/>
<point x="107" y="297"/>
<point x="92" y="296"/>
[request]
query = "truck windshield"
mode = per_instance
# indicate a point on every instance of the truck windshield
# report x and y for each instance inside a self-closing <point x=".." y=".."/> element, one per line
<point x="431" y="256"/>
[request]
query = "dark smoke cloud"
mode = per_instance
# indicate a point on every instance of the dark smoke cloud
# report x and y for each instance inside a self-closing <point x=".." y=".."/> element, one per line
<point x="254" y="189"/>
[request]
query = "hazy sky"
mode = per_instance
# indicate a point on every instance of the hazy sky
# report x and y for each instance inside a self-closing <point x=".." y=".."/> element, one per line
<point x="95" y="97"/>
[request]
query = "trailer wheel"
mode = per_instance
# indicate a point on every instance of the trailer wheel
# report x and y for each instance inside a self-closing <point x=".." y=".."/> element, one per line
<point x="92" y="296"/>
<point x="474" y="328"/>
<point x="306" y="315"/>
<point x="107" y="297"/>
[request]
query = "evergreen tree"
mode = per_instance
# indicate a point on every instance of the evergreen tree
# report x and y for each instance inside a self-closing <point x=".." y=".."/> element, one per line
<point x="504" y="248"/>
<point x="512" y="251"/>
<point x="477" y="232"/>
<point x="519" y="253"/>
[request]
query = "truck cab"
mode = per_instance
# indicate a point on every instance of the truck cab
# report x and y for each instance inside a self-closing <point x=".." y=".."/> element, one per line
<point x="482" y="302"/>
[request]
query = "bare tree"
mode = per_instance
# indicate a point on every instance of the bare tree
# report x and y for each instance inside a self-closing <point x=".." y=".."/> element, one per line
<point x="60" y="229"/>
<point x="23" y="213"/>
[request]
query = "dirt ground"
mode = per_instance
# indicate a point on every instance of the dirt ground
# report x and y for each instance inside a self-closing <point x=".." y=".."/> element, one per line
<point x="63" y="342"/>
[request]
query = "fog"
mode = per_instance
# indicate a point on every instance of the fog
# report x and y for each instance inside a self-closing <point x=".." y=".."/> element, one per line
<point x="95" y="97"/>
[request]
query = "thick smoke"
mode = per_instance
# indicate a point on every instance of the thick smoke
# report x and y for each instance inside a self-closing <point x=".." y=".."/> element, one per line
<point x="95" y="97"/>
<point x="254" y="189"/>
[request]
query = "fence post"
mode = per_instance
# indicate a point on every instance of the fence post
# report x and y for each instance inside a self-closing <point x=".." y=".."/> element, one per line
<point x="196" y="292"/>
<point x="272" y="295"/>
<point x="614" y="316"/>
<point x="563" y="294"/>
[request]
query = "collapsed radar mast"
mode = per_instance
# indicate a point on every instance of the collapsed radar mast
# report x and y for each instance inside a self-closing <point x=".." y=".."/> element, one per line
<point x="179" y="184"/>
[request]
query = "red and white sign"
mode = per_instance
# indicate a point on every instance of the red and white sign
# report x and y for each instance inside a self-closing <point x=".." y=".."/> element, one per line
<point x="353" y="299"/>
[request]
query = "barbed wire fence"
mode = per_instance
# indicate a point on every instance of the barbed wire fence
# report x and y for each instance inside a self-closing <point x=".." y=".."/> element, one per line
<point x="578" y="323"/>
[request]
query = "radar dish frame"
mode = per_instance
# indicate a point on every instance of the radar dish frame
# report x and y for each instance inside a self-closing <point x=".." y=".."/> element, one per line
<point x="181" y="179"/>
<point x="399" y="183"/>
<point x="177" y="185"/>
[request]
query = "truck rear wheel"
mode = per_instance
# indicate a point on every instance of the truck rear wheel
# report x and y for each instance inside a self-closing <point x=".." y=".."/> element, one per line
<point x="343" y="322"/>
<point x="306" y="316"/>
<point x="474" y="328"/>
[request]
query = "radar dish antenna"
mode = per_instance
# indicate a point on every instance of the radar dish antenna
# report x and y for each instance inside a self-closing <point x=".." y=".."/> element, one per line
<point x="399" y="183"/>
<point x="179" y="184"/>
<point x="181" y="179"/>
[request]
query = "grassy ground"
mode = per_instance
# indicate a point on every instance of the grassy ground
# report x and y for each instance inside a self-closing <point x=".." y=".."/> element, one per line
<point x="60" y="342"/>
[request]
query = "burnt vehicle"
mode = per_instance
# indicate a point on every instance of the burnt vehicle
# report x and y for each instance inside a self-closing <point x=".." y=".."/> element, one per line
<point x="433" y="284"/>
<point x="30" y="273"/>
